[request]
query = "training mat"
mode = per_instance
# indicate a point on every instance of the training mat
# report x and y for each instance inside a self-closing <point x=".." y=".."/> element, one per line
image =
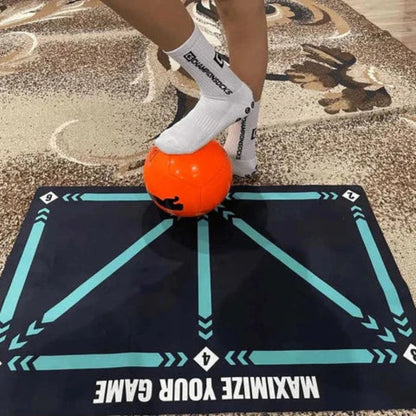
<point x="284" y="298"/>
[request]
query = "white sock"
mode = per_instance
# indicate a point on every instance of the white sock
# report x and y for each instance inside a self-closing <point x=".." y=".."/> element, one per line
<point x="241" y="143"/>
<point x="224" y="97"/>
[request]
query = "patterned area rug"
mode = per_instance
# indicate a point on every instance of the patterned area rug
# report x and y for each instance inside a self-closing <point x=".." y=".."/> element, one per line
<point x="82" y="96"/>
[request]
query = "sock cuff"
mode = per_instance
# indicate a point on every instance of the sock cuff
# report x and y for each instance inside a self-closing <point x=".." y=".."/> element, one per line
<point x="188" y="44"/>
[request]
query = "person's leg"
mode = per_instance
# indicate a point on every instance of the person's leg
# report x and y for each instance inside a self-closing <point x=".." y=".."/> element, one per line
<point x="165" y="22"/>
<point x="245" y="27"/>
<point x="224" y="97"/>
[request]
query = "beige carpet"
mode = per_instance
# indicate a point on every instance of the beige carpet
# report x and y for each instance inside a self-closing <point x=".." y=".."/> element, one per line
<point x="82" y="95"/>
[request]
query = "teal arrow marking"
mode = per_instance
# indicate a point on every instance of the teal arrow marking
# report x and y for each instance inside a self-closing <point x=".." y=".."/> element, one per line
<point x="388" y="337"/>
<point x="227" y="214"/>
<point x="11" y="363"/>
<point x="204" y="271"/>
<point x="358" y="215"/>
<point x="97" y="361"/>
<point x="405" y="333"/>
<point x="393" y="358"/>
<point x="184" y="359"/>
<point x="299" y="269"/>
<point x="87" y="287"/>
<point x="171" y="358"/>
<point x="75" y="197"/>
<point x="205" y="325"/>
<point x="380" y="270"/>
<point x="334" y="195"/>
<point x="205" y="336"/>
<point x="15" y="344"/>
<point x="381" y="356"/>
<point x="228" y="358"/>
<point x="241" y="358"/>
<point x="41" y="217"/>
<point x="402" y="322"/>
<point x="3" y="338"/>
<point x="19" y="279"/>
<point x="371" y="324"/>
<point x="25" y="363"/>
<point x="325" y="195"/>
<point x="308" y="357"/>
<point x="66" y="197"/>
<point x="44" y="210"/>
<point x="276" y="196"/>
<point x="356" y="208"/>
<point x="116" y="197"/>
<point x="32" y="330"/>
<point x="4" y="329"/>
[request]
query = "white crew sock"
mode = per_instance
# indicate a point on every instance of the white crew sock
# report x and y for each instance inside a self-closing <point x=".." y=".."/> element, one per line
<point x="224" y="97"/>
<point x="241" y="143"/>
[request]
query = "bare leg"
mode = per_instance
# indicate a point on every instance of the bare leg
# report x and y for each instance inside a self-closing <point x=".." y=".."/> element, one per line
<point x="169" y="25"/>
<point x="245" y="27"/>
<point x="164" y="22"/>
<point x="226" y="95"/>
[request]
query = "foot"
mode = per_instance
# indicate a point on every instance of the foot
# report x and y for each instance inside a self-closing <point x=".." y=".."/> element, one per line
<point x="209" y="117"/>
<point x="243" y="167"/>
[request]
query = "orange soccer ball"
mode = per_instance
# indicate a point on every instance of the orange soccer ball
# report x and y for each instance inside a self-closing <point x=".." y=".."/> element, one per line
<point x="188" y="185"/>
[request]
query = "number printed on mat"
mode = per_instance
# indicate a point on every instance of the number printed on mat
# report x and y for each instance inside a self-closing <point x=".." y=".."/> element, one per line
<point x="410" y="353"/>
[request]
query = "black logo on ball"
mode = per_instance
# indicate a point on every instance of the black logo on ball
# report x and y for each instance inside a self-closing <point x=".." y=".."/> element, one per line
<point x="168" y="203"/>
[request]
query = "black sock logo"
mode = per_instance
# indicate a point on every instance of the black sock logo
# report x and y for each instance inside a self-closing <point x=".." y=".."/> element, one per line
<point x="193" y="60"/>
<point x="169" y="203"/>
<point x="254" y="134"/>
<point x="189" y="56"/>
<point x="218" y="59"/>
<point x="241" y="138"/>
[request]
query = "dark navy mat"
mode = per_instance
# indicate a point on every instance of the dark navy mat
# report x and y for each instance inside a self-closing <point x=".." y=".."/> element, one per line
<point x="285" y="298"/>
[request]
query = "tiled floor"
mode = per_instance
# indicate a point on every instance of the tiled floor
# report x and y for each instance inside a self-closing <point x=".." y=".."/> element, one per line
<point x="396" y="16"/>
